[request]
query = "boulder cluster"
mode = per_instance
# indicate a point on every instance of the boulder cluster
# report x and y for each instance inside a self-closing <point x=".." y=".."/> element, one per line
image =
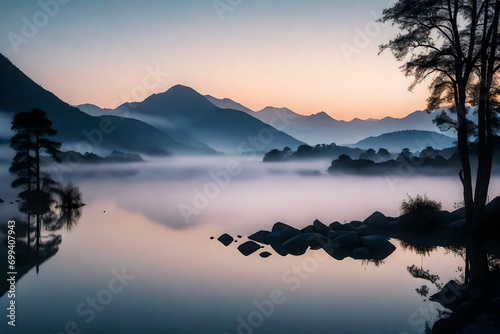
<point x="338" y="240"/>
<point x="361" y="240"/>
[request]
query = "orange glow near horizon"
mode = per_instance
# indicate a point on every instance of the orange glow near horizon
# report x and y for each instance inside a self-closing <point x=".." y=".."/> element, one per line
<point x="286" y="54"/>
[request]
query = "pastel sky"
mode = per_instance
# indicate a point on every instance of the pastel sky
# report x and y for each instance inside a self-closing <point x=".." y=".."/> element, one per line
<point x="307" y="55"/>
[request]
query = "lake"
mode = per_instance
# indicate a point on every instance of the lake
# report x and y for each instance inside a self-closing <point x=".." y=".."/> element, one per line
<point x="140" y="259"/>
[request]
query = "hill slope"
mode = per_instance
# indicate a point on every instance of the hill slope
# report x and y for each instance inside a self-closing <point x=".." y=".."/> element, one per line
<point x="227" y="130"/>
<point x="19" y="93"/>
<point x="321" y="128"/>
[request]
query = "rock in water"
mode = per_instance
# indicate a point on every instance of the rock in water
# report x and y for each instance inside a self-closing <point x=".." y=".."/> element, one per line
<point x="361" y="253"/>
<point x="378" y="245"/>
<point x="226" y="239"/>
<point x="335" y="226"/>
<point x="278" y="248"/>
<point x="265" y="255"/>
<point x="279" y="235"/>
<point x="348" y="239"/>
<point x="280" y="227"/>
<point x="296" y="245"/>
<point x="308" y="229"/>
<point x="315" y="240"/>
<point x="375" y="241"/>
<point x="338" y="227"/>
<point x="248" y="248"/>
<point x="320" y="227"/>
<point x="451" y="295"/>
<point x="261" y="236"/>
<point x="355" y="224"/>
<point x="377" y="219"/>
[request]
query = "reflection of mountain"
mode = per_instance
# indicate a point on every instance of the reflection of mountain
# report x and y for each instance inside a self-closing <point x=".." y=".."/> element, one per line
<point x="320" y="128"/>
<point x="19" y="93"/>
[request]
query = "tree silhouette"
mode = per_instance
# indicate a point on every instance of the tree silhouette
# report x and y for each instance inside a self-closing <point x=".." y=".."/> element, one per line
<point x="455" y="43"/>
<point x="30" y="142"/>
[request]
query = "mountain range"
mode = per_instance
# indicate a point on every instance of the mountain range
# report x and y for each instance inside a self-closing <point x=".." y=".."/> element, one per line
<point x="199" y="126"/>
<point x="77" y="129"/>
<point x="181" y="121"/>
<point x="322" y="128"/>
<point x="187" y="115"/>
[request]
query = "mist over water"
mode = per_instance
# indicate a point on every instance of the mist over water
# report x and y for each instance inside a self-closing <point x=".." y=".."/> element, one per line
<point x="244" y="193"/>
<point x="186" y="283"/>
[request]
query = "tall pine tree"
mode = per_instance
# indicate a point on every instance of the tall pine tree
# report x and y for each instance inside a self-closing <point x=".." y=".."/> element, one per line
<point x="31" y="141"/>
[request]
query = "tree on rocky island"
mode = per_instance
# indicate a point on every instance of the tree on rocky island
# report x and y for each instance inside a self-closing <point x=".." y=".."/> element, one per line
<point x="31" y="141"/>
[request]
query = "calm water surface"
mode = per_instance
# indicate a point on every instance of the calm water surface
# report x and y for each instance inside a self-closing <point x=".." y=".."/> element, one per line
<point x="177" y="280"/>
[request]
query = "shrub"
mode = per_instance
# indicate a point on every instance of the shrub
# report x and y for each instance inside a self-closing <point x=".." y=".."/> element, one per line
<point x="419" y="203"/>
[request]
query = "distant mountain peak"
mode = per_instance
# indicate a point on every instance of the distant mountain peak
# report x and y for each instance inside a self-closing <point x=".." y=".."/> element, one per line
<point x="181" y="89"/>
<point x="321" y="114"/>
<point x="275" y="108"/>
<point x="180" y="98"/>
<point x="227" y="103"/>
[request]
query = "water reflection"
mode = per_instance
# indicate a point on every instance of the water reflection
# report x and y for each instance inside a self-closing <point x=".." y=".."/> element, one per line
<point x="469" y="305"/>
<point x="376" y="263"/>
<point x="26" y="257"/>
<point x="424" y="250"/>
<point x="32" y="248"/>
<point x="421" y="273"/>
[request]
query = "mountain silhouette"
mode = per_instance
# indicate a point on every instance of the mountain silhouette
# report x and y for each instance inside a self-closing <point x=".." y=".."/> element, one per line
<point x="177" y="133"/>
<point x="19" y="93"/>
<point x="94" y="110"/>
<point x="229" y="104"/>
<point x="322" y="128"/>
<point x="226" y="130"/>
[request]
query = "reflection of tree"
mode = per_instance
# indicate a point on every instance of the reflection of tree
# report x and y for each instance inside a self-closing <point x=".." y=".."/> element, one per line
<point x="26" y="259"/>
<point x="424" y="250"/>
<point x="65" y="213"/>
<point x="423" y="290"/>
<point x="459" y="251"/>
<point x="377" y="263"/>
<point x="472" y="306"/>
<point x="67" y="218"/>
<point x="64" y="210"/>
<point x="424" y="274"/>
